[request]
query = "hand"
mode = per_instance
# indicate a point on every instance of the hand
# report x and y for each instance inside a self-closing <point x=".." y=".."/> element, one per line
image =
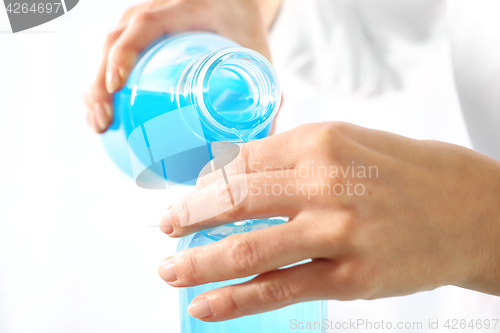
<point x="244" y="21"/>
<point x="414" y="215"/>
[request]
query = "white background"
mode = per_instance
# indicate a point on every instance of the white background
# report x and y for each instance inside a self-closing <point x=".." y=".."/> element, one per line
<point x="78" y="247"/>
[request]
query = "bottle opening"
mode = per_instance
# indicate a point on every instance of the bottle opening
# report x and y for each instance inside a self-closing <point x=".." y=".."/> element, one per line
<point x="239" y="92"/>
<point x="233" y="94"/>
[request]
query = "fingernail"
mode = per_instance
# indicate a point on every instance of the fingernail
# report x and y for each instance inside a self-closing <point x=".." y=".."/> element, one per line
<point x="101" y="116"/>
<point x="166" y="223"/>
<point x="200" y="308"/>
<point x="167" y="270"/>
<point x="112" y="80"/>
<point x="109" y="111"/>
<point x="91" y="120"/>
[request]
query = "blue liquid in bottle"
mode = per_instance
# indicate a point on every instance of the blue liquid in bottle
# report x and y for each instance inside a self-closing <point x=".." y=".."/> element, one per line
<point x="277" y="321"/>
<point x="231" y="92"/>
<point x="185" y="92"/>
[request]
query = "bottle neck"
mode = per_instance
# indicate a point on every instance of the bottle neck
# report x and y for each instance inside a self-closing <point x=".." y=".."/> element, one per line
<point x="236" y="91"/>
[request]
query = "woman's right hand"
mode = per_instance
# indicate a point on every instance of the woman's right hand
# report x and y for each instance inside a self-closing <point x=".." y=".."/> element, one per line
<point x="243" y="21"/>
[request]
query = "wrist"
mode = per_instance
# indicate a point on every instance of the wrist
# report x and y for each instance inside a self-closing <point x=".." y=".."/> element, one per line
<point x="485" y="274"/>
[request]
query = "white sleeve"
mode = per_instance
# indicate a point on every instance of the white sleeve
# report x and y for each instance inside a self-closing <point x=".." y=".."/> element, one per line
<point x="356" y="46"/>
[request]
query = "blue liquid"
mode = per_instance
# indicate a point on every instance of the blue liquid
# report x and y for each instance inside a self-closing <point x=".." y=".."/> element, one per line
<point x="277" y="321"/>
<point x="229" y="99"/>
<point x="233" y="98"/>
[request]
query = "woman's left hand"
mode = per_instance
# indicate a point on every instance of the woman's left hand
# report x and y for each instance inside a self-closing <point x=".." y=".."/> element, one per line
<point x="379" y="215"/>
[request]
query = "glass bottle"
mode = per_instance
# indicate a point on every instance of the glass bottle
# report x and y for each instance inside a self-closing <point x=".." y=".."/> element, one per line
<point x="216" y="89"/>
<point x="287" y="319"/>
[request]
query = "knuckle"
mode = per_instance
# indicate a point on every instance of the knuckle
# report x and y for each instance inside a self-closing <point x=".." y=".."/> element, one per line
<point x="328" y="134"/>
<point x="227" y="304"/>
<point x="248" y="159"/>
<point x="179" y="213"/>
<point x="187" y="269"/>
<point x="242" y="255"/>
<point x="239" y="188"/>
<point x="346" y="227"/>
<point x="235" y="212"/>
<point x="343" y="230"/>
<point x="132" y="10"/>
<point x="343" y="278"/>
<point x="340" y="234"/>
<point x="111" y="38"/>
<point x="223" y="194"/>
<point x="339" y="126"/>
<point x="325" y="141"/>
<point x="357" y="280"/>
<point x="332" y="133"/>
<point x="143" y="18"/>
<point x="129" y="12"/>
<point x="274" y="292"/>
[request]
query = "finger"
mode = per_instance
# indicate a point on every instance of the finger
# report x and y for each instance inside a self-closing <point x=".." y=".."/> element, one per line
<point x="144" y="28"/>
<point x="98" y="100"/>
<point x="276" y="153"/>
<point x="377" y="141"/>
<point x="239" y="256"/>
<point x="225" y="164"/>
<point x="280" y="151"/>
<point x="266" y="292"/>
<point x="91" y="120"/>
<point x="129" y="13"/>
<point x="243" y="197"/>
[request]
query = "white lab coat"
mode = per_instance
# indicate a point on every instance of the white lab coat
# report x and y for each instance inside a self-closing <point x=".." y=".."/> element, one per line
<point x="474" y="30"/>
<point x="393" y="65"/>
